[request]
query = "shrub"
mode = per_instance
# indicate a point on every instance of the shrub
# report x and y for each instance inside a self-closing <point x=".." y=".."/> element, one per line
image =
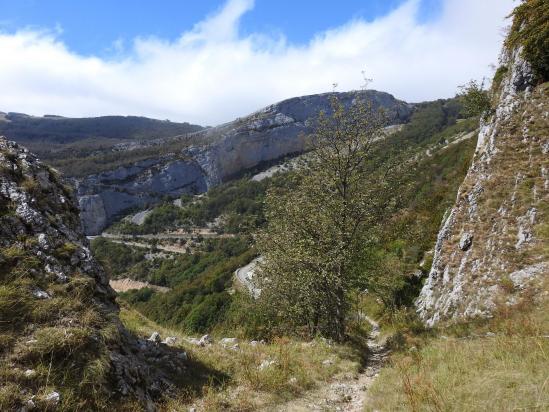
<point x="530" y="30"/>
<point x="475" y="99"/>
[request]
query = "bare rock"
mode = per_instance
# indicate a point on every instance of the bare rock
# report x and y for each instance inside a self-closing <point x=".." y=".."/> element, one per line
<point x="466" y="241"/>
<point x="52" y="398"/>
<point x="155" y="337"/>
<point x="170" y="341"/>
<point x="226" y="342"/>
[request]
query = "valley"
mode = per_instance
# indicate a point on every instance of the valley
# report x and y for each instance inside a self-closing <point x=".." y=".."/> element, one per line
<point x="342" y="251"/>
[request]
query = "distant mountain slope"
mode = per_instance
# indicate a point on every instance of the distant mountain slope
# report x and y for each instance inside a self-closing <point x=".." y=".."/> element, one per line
<point x="278" y="130"/>
<point x="62" y="130"/>
<point x="135" y="175"/>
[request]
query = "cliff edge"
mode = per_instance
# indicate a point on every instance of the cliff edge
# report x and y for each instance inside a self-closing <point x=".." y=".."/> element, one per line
<point x="493" y="247"/>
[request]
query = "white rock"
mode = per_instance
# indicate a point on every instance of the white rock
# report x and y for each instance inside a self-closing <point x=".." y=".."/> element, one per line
<point x="522" y="277"/>
<point x="228" y="342"/>
<point x="328" y="362"/>
<point x="267" y="363"/>
<point x="170" y="341"/>
<point x="53" y="398"/>
<point x="194" y="341"/>
<point x="29" y="373"/>
<point x="43" y="241"/>
<point x="465" y="241"/>
<point x="205" y="340"/>
<point x="155" y="337"/>
<point x="29" y="405"/>
<point x="40" y="294"/>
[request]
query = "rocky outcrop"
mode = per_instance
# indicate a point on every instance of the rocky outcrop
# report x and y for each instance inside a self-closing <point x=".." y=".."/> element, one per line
<point x="278" y="130"/>
<point x="59" y="318"/>
<point x="103" y="196"/>
<point x="224" y="152"/>
<point x="492" y="246"/>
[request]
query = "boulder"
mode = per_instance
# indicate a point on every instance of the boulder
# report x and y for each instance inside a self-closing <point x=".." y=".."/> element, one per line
<point x="267" y="363"/>
<point x="205" y="340"/>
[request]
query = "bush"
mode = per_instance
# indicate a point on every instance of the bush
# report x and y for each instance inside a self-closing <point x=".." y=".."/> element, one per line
<point x="475" y="99"/>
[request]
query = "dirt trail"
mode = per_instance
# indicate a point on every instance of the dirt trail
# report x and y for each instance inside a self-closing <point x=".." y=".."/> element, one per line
<point x="345" y="394"/>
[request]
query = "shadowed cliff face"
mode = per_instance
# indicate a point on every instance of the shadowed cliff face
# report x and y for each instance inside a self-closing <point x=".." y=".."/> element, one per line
<point x="226" y="150"/>
<point x="492" y="248"/>
<point x="61" y="342"/>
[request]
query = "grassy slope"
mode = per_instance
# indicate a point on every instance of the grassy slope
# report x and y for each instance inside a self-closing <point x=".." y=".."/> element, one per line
<point x="501" y="364"/>
<point x="298" y="367"/>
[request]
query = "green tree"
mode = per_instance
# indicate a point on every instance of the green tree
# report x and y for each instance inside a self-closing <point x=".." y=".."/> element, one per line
<point x="475" y="99"/>
<point x="317" y="230"/>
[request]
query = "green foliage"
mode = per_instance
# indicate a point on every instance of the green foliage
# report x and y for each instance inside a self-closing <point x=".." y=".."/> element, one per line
<point x="316" y="231"/>
<point x="138" y="296"/>
<point x="66" y="250"/>
<point x="427" y="121"/>
<point x="239" y="203"/>
<point x="116" y="258"/>
<point x="530" y="30"/>
<point x="428" y="189"/>
<point x="498" y="77"/>
<point x="198" y="299"/>
<point x="14" y="304"/>
<point x="80" y="147"/>
<point x="207" y="313"/>
<point x="475" y="99"/>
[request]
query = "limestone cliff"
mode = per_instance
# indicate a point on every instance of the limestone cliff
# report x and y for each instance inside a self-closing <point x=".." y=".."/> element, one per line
<point x="222" y="152"/>
<point x="61" y="342"/>
<point x="493" y="245"/>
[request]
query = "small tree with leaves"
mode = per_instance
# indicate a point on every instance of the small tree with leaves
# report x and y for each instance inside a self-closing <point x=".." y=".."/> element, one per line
<point x="317" y="229"/>
<point x="475" y="99"/>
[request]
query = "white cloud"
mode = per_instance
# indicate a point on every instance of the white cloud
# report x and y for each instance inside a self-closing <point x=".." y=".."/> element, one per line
<point x="211" y="74"/>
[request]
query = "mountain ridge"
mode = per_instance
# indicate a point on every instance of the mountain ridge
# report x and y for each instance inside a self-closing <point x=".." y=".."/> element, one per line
<point x="215" y="155"/>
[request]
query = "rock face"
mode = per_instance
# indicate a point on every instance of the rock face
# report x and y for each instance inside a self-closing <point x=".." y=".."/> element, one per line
<point x="271" y="133"/>
<point x="105" y="195"/>
<point x="492" y="246"/>
<point x="56" y="302"/>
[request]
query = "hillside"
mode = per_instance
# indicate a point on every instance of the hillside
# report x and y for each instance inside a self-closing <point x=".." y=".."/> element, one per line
<point x="111" y="182"/>
<point x="492" y="248"/>
<point x="200" y="271"/>
<point x="39" y="132"/>
<point x="62" y="345"/>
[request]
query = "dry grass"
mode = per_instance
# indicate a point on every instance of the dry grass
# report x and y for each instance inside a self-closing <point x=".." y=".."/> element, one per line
<point x="499" y="365"/>
<point x="298" y="366"/>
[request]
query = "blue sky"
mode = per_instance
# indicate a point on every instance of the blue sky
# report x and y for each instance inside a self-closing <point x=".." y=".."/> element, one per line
<point x="209" y="61"/>
<point x="95" y="27"/>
